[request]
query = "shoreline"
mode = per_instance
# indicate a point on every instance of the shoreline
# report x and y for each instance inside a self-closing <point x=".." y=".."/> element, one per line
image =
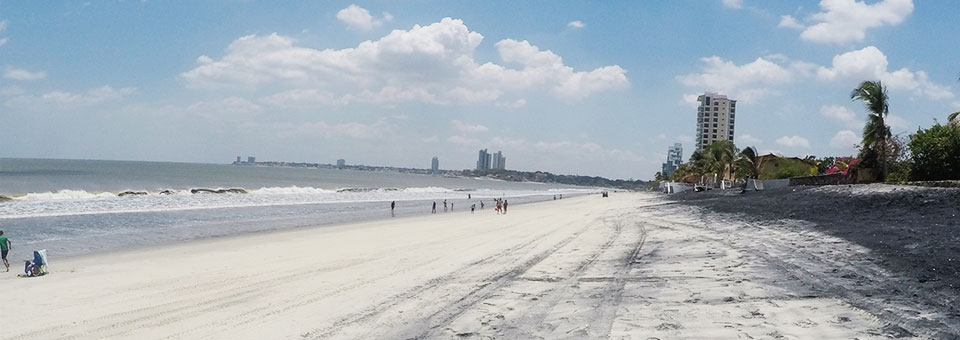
<point x="628" y="266"/>
<point x="294" y="229"/>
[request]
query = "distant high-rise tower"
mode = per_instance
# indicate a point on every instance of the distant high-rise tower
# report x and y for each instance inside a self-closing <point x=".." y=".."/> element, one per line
<point x="499" y="162"/>
<point x="341" y="163"/>
<point x="483" y="160"/>
<point x="674" y="159"/>
<point x="715" y="119"/>
<point x="238" y="160"/>
<point x="435" y="165"/>
<point x="251" y="159"/>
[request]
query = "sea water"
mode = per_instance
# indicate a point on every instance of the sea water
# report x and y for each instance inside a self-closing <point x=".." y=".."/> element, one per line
<point x="73" y="207"/>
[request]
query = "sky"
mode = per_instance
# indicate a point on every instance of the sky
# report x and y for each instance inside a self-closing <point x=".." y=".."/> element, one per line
<point x="599" y="89"/>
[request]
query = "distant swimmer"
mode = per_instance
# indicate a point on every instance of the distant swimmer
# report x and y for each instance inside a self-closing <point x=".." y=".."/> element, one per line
<point x="434" y="211"/>
<point x="469" y="197"/>
<point x="5" y="246"/>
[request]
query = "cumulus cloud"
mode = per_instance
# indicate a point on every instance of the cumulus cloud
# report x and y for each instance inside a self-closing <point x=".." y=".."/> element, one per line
<point x="842" y="21"/>
<point x="787" y="21"/>
<point x="359" y="18"/>
<point x="434" y="64"/>
<point x="576" y="24"/>
<point x="793" y="142"/>
<point x="747" y="82"/>
<point x="228" y="108"/>
<point x="869" y="63"/>
<point x="748" y="140"/>
<point x="13" y="73"/>
<point x="93" y="96"/>
<point x="733" y="3"/>
<point x="353" y="130"/>
<point x="842" y="115"/>
<point x="845" y="140"/>
<point x="468" y="128"/>
<point x="463" y="140"/>
<point x="3" y="41"/>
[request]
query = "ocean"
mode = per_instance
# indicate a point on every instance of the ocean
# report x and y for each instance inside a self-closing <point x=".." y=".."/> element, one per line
<point x="73" y="207"/>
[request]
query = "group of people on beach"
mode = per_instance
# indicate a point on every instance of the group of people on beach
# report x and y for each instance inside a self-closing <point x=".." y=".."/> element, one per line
<point x="501" y="206"/>
<point x="31" y="268"/>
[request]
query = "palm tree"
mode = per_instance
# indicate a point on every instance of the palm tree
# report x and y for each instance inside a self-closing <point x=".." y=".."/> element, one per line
<point x="954" y="119"/>
<point x="875" y="132"/>
<point x="749" y="159"/>
<point x="721" y="157"/>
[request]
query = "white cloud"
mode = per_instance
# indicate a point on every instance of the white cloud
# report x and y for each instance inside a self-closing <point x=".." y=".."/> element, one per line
<point x="353" y="130"/>
<point x="516" y="104"/>
<point x="299" y="98"/>
<point x="227" y="108"/>
<point x="3" y="41"/>
<point x="3" y="25"/>
<point x="787" y="21"/>
<point x="463" y="140"/>
<point x="65" y="99"/>
<point x="841" y="21"/>
<point x="869" y="63"/>
<point x="359" y="18"/>
<point x="733" y="3"/>
<point x="748" y="140"/>
<point x="22" y="74"/>
<point x="747" y="82"/>
<point x="845" y="140"/>
<point x="841" y="115"/>
<point x="576" y="24"/>
<point x="508" y="143"/>
<point x="468" y="128"/>
<point x="793" y="142"/>
<point x="434" y="62"/>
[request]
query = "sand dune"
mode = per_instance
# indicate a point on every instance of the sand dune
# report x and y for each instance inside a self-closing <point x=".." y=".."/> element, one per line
<point x="626" y="267"/>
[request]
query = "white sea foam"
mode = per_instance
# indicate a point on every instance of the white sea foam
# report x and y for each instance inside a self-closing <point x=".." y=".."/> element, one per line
<point x="79" y="202"/>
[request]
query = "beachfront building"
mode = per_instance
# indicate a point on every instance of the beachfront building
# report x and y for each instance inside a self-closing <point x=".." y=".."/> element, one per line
<point x="435" y="165"/>
<point x="341" y="163"/>
<point x="499" y="162"/>
<point x="715" y="119"/>
<point x="483" y="160"/>
<point x="674" y="159"/>
<point x="251" y="159"/>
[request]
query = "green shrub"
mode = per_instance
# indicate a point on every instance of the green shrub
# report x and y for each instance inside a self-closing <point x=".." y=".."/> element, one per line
<point x="935" y="154"/>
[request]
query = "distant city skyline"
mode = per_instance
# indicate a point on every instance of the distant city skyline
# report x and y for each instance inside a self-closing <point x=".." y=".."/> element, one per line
<point x="585" y="88"/>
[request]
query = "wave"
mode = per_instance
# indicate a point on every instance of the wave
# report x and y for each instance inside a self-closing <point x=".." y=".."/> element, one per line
<point x="290" y="190"/>
<point x="65" y="194"/>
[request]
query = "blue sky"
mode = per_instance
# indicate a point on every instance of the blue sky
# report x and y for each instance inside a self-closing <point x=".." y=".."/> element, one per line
<point x="582" y="88"/>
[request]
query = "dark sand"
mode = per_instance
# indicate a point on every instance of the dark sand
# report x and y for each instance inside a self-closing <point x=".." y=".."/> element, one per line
<point x="911" y="232"/>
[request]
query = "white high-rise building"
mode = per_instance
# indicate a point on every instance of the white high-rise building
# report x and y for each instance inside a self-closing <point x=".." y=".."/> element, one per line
<point x="483" y="160"/>
<point x="674" y="159"/>
<point x="715" y="119"/>
<point x="499" y="162"/>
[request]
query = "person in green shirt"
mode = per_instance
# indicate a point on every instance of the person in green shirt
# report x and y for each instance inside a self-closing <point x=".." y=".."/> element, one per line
<point x="5" y="246"/>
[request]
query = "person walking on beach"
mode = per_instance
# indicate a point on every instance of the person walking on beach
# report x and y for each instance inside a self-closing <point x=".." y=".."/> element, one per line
<point x="444" y="205"/>
<point x="5" y="246"/>
<point x="393" y="204"/>
<point x="499" y="206"/>
<point x="469" y="197"/>
<point x="504" y="206"/>
<point x="434" y="211"/>
<point x="481" y="204"/>
<point x="451" y="206"/>
<point x="473" y="207"/>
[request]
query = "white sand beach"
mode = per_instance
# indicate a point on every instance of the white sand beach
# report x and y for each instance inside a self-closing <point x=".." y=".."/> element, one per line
<point x="626" y="267"/>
